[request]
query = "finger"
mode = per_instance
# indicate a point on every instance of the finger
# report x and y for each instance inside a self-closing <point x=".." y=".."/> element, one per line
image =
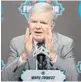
<point x="26" y="35"/>
<point x="31" y="41"/>
<point x="27" y="32"/>
<point x="29" y="45"/>
<point x="46" y="40"/>
<point x="48" y="37"/>
<point x="50" y="33"/>
<point x="30" y="38"/>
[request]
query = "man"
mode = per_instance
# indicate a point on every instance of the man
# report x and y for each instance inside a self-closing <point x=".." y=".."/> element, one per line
<point x="40" y="29"/>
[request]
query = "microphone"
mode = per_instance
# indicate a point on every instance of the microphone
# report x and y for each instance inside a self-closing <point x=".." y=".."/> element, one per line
<point x="41" y="58"/>
<point x="40" y="55"/>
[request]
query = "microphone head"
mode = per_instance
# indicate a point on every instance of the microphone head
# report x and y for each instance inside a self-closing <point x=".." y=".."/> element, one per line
<point x="41" y="50"/>
<point x="41" y="57"/>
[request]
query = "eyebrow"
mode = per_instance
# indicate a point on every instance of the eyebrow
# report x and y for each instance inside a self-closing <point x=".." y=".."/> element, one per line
<point x="44" y="22"/>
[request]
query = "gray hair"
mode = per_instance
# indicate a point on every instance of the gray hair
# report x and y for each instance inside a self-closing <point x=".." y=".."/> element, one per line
<point x="42" y="7"/>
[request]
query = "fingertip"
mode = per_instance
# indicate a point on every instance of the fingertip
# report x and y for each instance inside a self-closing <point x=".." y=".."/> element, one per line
<point x="27" y="31"/>
<point x="27" y="28"/>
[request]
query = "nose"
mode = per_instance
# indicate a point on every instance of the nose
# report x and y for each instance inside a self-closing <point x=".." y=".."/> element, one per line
<point x="38" y="25"/>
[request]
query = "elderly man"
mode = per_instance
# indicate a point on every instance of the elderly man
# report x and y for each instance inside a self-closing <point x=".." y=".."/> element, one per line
<point x="40" y="29"/>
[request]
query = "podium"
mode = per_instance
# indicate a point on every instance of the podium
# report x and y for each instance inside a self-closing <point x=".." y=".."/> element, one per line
<point x="43" y="76"/>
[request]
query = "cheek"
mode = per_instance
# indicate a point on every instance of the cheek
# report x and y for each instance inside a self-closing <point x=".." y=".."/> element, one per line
<point x="44" y="27"/>
<point x="45" y="30"/>
<point x="31" y="28"/>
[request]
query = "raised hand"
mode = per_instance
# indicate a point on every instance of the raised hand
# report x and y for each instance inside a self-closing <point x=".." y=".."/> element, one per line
<point x="28" y="42"/>
<point x="27" y="45"/>
<point x="49" y="43"/>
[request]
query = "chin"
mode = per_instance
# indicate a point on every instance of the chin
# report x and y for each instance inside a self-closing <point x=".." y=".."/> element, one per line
<point x="39" y="39"/>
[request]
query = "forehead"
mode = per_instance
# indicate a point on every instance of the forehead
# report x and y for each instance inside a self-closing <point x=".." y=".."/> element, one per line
<point x="41" y="16"/>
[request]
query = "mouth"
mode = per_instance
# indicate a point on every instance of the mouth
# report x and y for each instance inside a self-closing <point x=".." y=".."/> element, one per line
<point x="38" y="32"/>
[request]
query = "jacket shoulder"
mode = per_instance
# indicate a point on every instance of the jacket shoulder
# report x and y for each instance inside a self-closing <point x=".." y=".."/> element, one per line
<point x="17" y="42"/>
<point x="64" y="39"/>
<point x="18" y="38"/>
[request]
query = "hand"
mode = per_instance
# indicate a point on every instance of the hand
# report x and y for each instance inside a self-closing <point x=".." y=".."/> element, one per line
<point x="27" y="45"/>
<point x="28" y="42"/>
<point x="49" y="43"/>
